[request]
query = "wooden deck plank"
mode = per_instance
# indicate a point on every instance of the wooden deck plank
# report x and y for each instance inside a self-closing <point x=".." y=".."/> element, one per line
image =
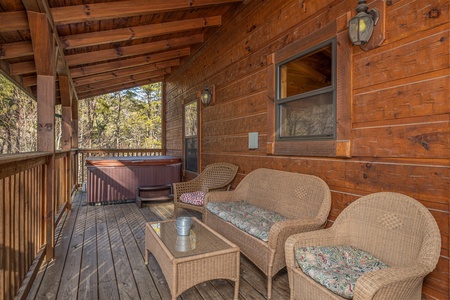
<point x="55" y="268"/>
<point x="88" y="274"/>
<point x="107" y="284"/>
<point x="144" y="281"/>
<point x="111" y="265"/>
<point x="32" y="294"/>
<point x="138" y="231"/>
<point x="68" y="288"/>
<point x="208" y="291"/>
<point x="124" y="274"/>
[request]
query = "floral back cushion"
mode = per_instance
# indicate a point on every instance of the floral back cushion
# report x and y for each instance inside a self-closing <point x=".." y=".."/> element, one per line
<point x="337" y="267"/>
<point x="254" y="220"/>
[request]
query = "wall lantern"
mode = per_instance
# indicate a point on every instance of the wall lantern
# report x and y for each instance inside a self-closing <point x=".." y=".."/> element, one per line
<point x="360" y="27"/>
<point x="207" y="95"/>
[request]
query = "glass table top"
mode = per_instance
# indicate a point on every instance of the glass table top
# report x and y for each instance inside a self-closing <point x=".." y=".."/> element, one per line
<point x="200" y="240"/>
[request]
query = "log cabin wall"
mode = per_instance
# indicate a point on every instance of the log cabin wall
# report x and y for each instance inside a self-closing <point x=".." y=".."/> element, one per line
<point x="400" y="104"/>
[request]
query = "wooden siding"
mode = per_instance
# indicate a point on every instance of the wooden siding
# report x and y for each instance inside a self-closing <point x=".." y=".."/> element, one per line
<point x="400" y="108"/>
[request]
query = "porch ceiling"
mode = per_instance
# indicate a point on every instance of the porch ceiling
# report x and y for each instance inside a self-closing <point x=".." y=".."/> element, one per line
<point x="107" y="46"/>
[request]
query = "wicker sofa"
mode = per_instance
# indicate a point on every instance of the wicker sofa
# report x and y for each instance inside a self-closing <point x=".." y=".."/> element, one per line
<point x="394" y="228"/>
<point x="303" y="201"/>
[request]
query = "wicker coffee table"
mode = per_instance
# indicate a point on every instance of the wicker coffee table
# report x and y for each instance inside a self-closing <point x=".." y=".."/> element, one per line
<point x="189" y="260"/>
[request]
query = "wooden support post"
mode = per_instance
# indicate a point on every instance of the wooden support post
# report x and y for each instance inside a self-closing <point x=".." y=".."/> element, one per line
<point x="74" y="123"/>
<point x="45" y="60"/>
<point x="66" y="103"/>
<point x="46" y="142"/>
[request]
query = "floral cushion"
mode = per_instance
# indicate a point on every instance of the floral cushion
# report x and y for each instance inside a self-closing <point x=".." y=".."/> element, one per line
<point x="194" y="198"/>
<point x="337" y="267"/>
<point x="254" y="220"/>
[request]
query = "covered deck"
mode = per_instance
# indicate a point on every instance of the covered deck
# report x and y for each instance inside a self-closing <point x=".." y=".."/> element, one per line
<point x="389" y="112"/>
<point x="99" y="254"/>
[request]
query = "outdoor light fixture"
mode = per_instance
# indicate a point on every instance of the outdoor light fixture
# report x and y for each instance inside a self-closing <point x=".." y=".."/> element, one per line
<point x="360" y="27"/>
<point x="207" y="95"/>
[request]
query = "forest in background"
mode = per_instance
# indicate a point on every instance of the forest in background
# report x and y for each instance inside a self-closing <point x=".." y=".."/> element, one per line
<point x="123" y="120"/>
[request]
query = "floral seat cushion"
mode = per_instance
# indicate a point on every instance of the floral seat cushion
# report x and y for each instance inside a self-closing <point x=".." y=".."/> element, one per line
<point x="194" y="198"/>
<point x="254" y="220"/>
<point x="337" y="267"/>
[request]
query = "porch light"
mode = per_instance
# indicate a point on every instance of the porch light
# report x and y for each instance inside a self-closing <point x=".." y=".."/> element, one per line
<point x="360" y="27"/>
<point x="207" y="95"/>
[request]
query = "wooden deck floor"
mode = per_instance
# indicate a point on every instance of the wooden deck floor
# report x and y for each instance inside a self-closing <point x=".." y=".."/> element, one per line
<point x="100" y="255"/>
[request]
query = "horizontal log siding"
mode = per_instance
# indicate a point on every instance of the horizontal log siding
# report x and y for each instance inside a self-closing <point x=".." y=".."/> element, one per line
<point x="400" y="133"/>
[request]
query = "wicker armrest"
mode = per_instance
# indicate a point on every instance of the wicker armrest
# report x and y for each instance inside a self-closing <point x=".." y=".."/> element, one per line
<point x="391" y="283"/>
<point x="184" y="187"/>
<point x="222" y="196"/>
<point x="280" y="231"/>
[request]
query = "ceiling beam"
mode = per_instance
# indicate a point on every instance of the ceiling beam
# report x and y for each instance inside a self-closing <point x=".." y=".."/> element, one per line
<point x="14" y="20"/>
<point x="32" y="80"/>
<point x="121" y="52"/>
<point x="137" y="32"/>
<point x="123" y="80"/>
<point x="126" y="72"/>
<point x="15" y="50"/>
<point x="28" y="67"/>
<point x="129" y="62"/>
<point x="121" y="9"/>
<point x="119" y="88"/>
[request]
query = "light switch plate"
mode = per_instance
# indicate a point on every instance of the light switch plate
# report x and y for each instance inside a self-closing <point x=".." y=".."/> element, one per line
<point x="252" y="140"/>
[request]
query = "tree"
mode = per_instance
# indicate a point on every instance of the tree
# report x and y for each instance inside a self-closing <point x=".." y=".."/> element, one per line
<point x="125" y="119"/>
<point x="17" y="119"/>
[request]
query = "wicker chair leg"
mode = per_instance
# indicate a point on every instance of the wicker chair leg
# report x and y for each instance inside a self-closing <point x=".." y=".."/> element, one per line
<point x="269" y="287"/>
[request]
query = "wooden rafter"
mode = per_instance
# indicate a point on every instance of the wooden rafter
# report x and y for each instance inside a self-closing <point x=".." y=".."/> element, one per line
<point x="121" y="9"/>
<point x="15" y="20"/>
<point x="138" y="32"/>
<point x="122" y="80"/>
<point x="126" y="72"/>
<point x="129" y="62"/>
<point x="14" y="50"/>
<point x="119" y="87"/>
<point x="122" y="52"/>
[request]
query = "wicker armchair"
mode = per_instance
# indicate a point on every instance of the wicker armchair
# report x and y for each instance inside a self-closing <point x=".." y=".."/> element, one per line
<point x="393" y="227"/>
<point x="217" y="176"/>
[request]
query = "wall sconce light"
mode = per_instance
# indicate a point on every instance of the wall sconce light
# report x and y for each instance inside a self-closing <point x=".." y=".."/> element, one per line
<point x="207" y="95"/>
<point x="360" y="27"/>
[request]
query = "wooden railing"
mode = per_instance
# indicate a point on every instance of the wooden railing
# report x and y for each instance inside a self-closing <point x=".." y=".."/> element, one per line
<point x="29" y="213"/>
<point x="85" y="153"/>
<point x="24" y="211"/>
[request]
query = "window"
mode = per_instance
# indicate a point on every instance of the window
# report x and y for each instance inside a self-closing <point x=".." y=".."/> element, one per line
<point x="309" y="94"/>
<point x="191" y="137"/>
<point x="305" y="94"/>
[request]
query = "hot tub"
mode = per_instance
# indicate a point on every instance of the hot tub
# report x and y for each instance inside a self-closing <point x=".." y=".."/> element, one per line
<point x="115" y="179"/>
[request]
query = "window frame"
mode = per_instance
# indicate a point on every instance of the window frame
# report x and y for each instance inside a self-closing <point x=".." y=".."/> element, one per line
<point x="341" y="145"/>
<point x="185" y="138"/>
<point x="280" y="101"/>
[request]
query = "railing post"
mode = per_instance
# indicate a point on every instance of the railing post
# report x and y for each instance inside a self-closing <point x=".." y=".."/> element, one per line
<point x="45" y="61"/>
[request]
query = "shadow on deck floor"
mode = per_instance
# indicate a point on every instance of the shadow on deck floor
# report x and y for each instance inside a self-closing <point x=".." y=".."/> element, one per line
<point x="100" y="255"/>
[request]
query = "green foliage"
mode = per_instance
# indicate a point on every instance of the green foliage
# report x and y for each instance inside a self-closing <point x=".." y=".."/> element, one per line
<point x="17" y="119"/>
<point x="126" y="119"/>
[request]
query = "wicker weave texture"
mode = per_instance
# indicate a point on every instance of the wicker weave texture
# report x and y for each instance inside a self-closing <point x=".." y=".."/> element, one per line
<point x="215" y="176"/>
<point x="393" y="227"/>
<point x="304" y="199"/>
<point x="183" y="273"/>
